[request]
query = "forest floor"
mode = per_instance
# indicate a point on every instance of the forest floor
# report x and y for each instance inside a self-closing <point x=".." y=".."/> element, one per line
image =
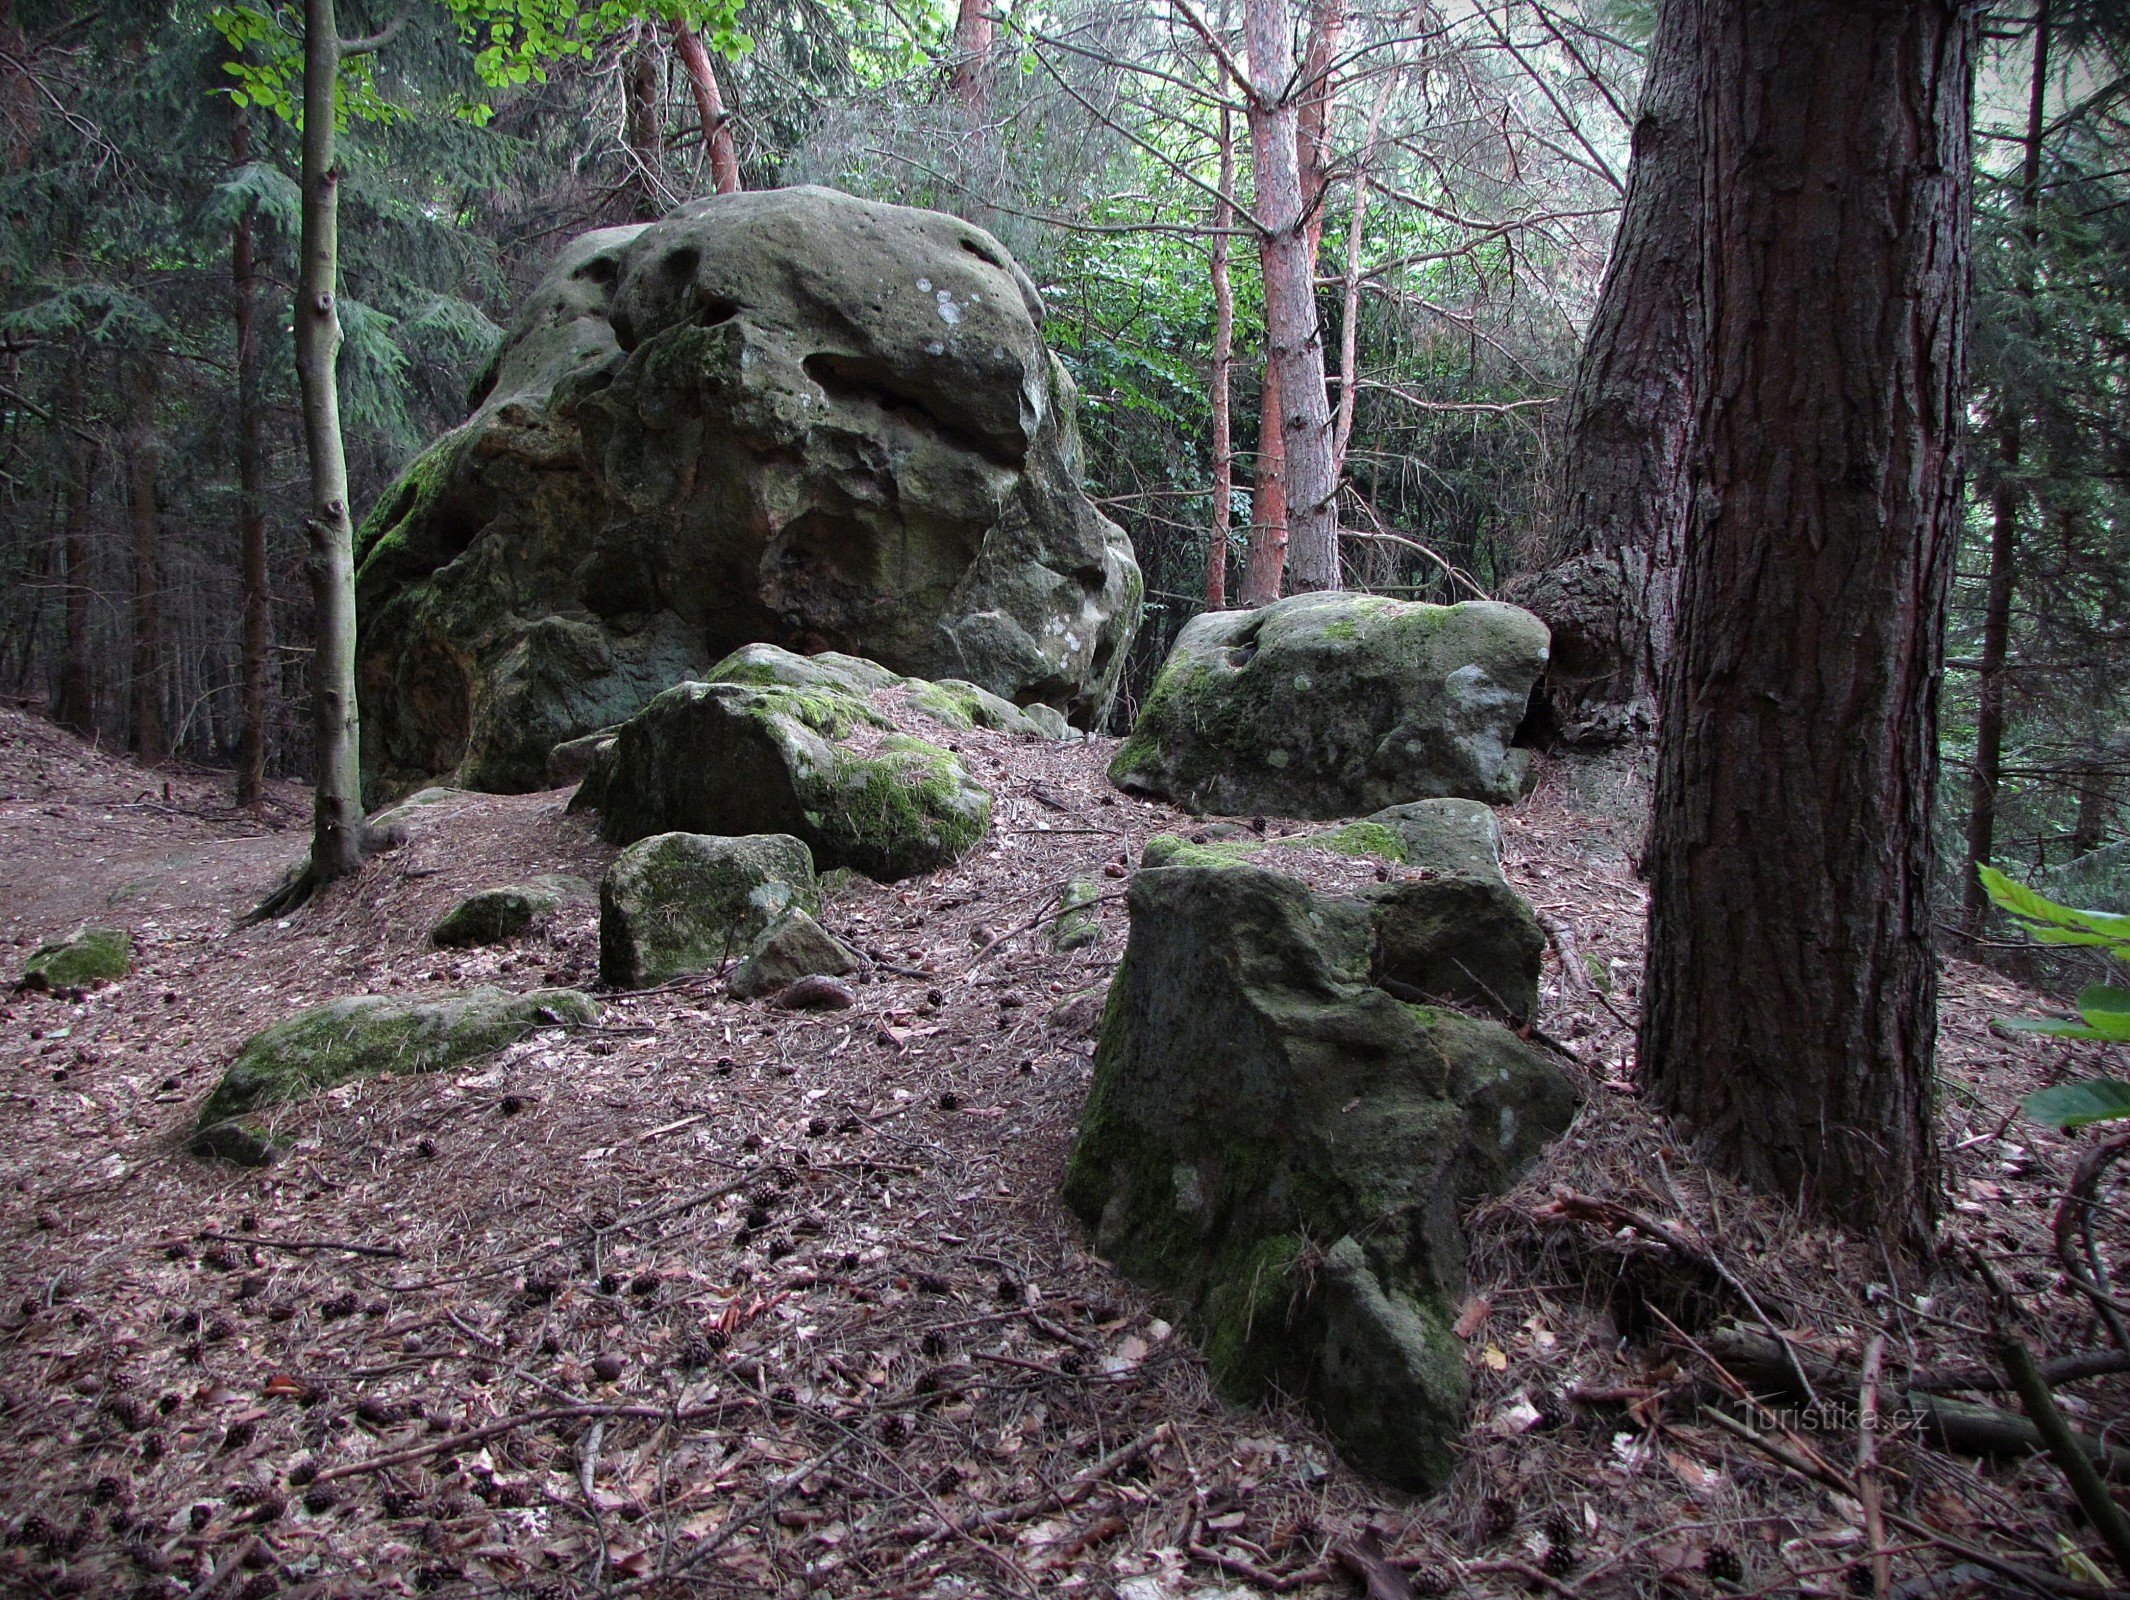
<point x="718" y="1298"/>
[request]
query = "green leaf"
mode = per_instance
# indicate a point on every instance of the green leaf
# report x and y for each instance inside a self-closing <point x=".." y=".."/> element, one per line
<point x="2106" y="1010"/>
<point x="2076" y="1105"/>
<point x="2035" y="907"/>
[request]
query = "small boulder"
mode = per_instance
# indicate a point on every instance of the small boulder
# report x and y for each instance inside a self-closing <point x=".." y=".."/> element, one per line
<point x="818" y="993"/>
<point x="569" y="761"/>
<point x="795" y="947"/>
<point x="1078" y="923"/>
<point x="1282" y="1146"/>
<point x="814" y="747"/>
<point x="677" y="903"/>
<point x="361" y="1037"/>
<point x="81" y="961"/>
<point x="496" y="916"/>
<point x="1331" y="705"/>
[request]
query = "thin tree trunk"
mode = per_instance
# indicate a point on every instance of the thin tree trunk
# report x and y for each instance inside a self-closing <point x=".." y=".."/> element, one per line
<point x="1223" y="362"/>
<point x="709" y="108"/>
<point x="2096" y="808"/>
<point x="251" y="500"/>
<point x="2004" y="530"/>
<point x="1610" y="569"/>
<point x="1350" y="283"/>
<point x="1265" y="561"/>
<point x="77" y="688"/>
<point x="143" y="464"/>
<point x="1789" y="1011"/>
<point x="1293" y="338"/>
<point x="970" y="80"/>
<point x="337" y="830"/>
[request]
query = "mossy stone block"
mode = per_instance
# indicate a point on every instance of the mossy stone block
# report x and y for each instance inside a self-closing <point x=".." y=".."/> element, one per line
<point x="496" y="916"/>
<point x="678" y="903"/>
<point x="794" y="947"/>
<point x="1282" y="1147"/>
<point x="1078" y="923"/>
<point x="1333" y="705"/>
<point x="87" y="958"/>
<point x="361" y="1037"/>
<point x="793" y="749"/>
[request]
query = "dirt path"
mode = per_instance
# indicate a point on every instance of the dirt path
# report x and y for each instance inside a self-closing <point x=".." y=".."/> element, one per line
<point x="758" y="1301"/>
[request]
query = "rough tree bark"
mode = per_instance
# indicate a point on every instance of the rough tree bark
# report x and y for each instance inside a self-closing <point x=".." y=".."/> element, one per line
<point x="709" y="108"/>
<point x="1294" y="345"/>
<point x="77" y="687"/>
<point x="1789" y="1009"/>
<point x="970" y="80"/>
<point x="143" y="456"/>
<point x="643" y="119"/>
<point x="1223" y="365"/>
<point x="251" y="498"/>
<point x="1611" y="562"/>
<point x="2005" y="496"/>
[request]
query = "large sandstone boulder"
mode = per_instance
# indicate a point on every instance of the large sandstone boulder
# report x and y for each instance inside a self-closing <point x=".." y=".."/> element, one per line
<point x="329" y="1044"/>
<point x="787" y="416"/>
<point x="810" y="746"/>
<point x="1330" y="705"/>
<point x="1282" y="1146"/>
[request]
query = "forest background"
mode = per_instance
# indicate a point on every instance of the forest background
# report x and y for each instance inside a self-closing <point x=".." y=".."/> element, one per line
<point x="1467" y="162"/>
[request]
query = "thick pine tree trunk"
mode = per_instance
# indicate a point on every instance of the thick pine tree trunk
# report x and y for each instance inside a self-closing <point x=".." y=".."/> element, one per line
<point x="337" y="831"/>
<point x="1611" y="564"/>
<point x="1789" y="1011"/>
<point x="143" y="453"/>
<point x="77" y="687"/>
<point x="1988" y="772"/>
<point x="643" y="125"/>
<point x="1293" y="338"/>
<point x="709" y="109"/>
<point x="970" y="80"/>
<point x="258" y="642"/>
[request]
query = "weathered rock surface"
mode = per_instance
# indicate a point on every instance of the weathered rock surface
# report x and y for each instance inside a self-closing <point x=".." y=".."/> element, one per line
<point x="1078" y="923"/>
<point x="1330" y="705"/>
<point x="1283" y="1147"/>
<point x="795" y="947"/>
<point x="809" y="746"/>
<point x="789" y="416"/>
<point x="79" y="961"/>
<point x="495" y="916"/>
<point x="361" y="1037"/>
<point x="686" y="902"/>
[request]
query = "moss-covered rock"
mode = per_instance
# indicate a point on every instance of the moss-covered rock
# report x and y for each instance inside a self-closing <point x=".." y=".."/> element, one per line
<point x="80" y="961"/>
<point x="794" y="947"/>
<point x="809" y="753"/>
<point x="362" y="1037"/>
<point x="1329" y="705"/>
<point x="1283" y="1147"/>
<point x="786" y="415"/>
<point x="1078" y="923"/>
<point x="687" y="902"/>
<point x="495" y="916"/>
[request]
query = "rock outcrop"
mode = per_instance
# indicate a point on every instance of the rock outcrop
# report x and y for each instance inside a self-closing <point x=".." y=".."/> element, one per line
<point x="1330" y="705"/>
<point x="1282" y="1145"/>
<point x="678" y="903"/>
<point x="788" y="416"/>
<point x="79" y="961"/>
<point x="809" y="746"/>
<point x="329" y="1044"/>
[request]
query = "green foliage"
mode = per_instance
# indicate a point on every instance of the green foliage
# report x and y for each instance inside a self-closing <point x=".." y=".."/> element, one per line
<point x="2104" y="1009"/>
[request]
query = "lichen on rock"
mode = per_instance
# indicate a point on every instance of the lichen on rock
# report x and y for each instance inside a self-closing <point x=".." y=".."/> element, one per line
<point x="79" y="961"/>
<point x="1281" y="1146"/>
<point x="361" y="1037"/>
<point x="1330" y="705"/>
<point x="678" y="903"/>
<point x="787" y="415"/>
